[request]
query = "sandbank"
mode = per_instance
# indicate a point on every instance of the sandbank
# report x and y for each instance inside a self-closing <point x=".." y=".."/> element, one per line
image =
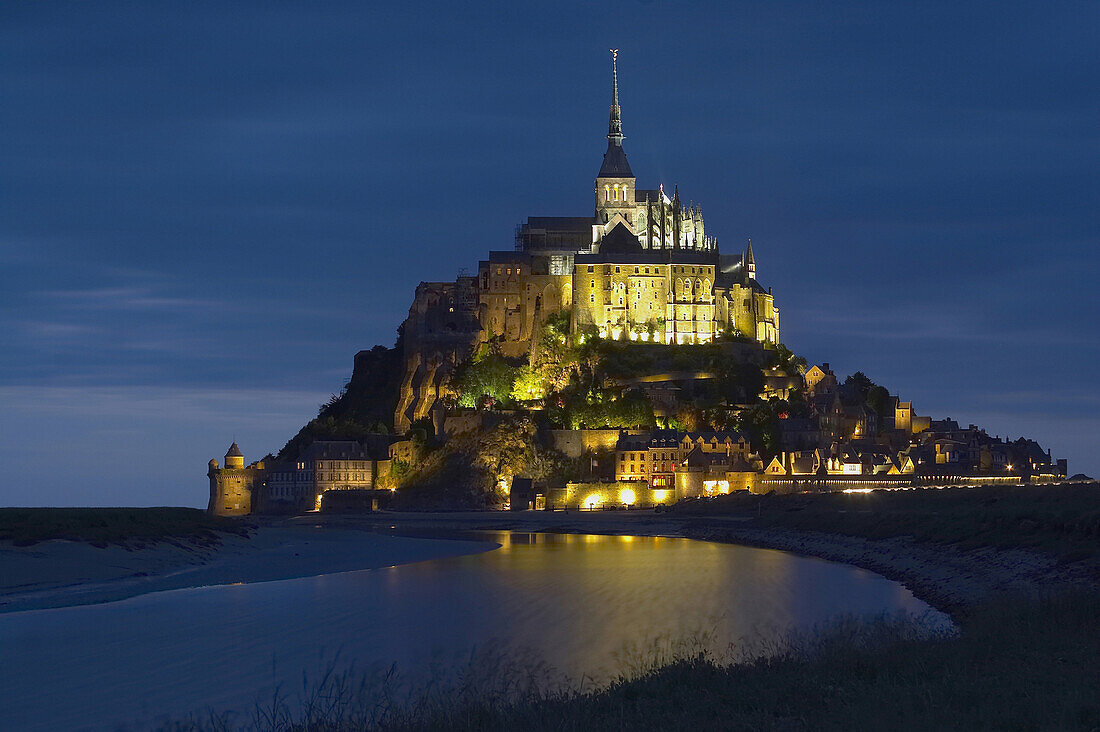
<point x="63" y="573"/>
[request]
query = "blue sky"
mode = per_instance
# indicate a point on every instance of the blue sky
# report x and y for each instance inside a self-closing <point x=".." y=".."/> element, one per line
<point x="207" y="208"/>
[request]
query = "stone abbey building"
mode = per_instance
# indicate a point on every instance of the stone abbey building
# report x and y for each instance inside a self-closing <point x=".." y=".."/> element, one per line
<point x="641" y="267"/>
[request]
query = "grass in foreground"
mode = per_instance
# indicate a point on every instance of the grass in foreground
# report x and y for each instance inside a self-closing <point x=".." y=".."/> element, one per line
<point x="1063" y="520"/>
<point x="1021" y="665"/>
<point x="132" y="527"/>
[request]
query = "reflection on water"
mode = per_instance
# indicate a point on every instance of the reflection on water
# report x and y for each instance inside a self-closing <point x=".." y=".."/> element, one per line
<point x="575" y="601"/>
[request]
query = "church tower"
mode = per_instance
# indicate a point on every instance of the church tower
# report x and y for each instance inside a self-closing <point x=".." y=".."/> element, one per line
<point x="615" y="181"/>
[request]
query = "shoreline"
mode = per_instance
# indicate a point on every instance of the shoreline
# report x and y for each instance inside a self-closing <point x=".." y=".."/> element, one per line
<point x="64" y="573"/>
<point x="948" y="578"/>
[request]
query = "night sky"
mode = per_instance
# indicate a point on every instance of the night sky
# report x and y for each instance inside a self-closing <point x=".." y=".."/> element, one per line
<point x="207" y="208"/>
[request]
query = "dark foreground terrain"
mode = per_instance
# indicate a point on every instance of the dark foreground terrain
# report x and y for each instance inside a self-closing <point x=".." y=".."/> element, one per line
<point x="134" y="527"/>
<point x="1026" y="659"/>
<point x="1062" y="520"/>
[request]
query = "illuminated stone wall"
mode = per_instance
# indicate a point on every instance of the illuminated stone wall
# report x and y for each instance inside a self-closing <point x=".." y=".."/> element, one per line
<point x="574" y="443"/>
<point x="231" y="489"/>
<point x="620" y="494"/>
<point x="751" y="313"/>
<point x="638" y="300"/>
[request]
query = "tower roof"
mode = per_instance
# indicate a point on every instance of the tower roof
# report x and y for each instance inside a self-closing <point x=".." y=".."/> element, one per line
<point x="234" y="451"/>
<point x="620" y="241"/>
<point x="614" y="160"/>
<point x="614" y="163"/>
<point x="748" y="255"/>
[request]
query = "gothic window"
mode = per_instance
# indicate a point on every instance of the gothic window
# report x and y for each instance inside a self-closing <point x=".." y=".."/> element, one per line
<point x="606" y="192"/>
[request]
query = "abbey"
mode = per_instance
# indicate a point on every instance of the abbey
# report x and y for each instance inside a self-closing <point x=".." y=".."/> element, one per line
<point x="641" y="267"/>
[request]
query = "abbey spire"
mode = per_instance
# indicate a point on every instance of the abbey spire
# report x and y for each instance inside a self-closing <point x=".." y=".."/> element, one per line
<point x="615" y="121"/>
<point x="614" y="160"/>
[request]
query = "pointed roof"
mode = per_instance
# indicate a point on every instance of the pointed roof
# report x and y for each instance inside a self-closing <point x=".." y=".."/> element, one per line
<point x="619" y="241"/>
<point x="234" y="450"/>
<point x="614" y="163"/>
<point x="749" y="260"/>
<point x="614" y="160"/>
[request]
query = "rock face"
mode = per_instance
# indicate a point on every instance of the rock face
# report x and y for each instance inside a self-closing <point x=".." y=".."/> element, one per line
<point x="441" y="331"/>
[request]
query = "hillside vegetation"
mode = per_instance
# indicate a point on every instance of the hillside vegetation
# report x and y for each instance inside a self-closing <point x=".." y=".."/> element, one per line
<point x="365" y="406"/>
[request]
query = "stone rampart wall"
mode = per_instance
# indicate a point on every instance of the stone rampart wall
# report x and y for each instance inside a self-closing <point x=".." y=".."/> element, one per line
<point x="575" y="443"/>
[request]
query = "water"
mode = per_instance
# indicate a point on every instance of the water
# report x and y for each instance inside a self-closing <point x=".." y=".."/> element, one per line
<point x="574" y="601"/>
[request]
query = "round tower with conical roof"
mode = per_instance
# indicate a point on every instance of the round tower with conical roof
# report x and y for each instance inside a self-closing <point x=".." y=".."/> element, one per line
<point x="234" y="458"/>
<point x="231" y="486"/>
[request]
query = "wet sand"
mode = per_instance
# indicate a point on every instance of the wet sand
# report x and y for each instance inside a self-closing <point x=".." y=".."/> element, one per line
<point x="63" y="573"/>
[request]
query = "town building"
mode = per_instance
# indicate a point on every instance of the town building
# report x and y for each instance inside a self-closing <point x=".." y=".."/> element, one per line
<point x="300" y="484"/>
<point x="692" y="463"/>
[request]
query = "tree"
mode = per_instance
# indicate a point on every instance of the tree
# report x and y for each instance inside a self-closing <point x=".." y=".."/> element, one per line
<point x="858" y="385"/>
<point x="529" y="385"/>
<point x="487" y="374"/>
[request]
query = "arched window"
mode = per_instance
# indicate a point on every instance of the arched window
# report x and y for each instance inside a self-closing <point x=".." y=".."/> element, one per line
<point x="699" y="289"/>
<point x="606" y="192"/>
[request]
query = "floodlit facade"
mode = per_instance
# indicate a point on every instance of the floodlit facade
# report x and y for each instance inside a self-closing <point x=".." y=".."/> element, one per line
<point x="641" y="266"/>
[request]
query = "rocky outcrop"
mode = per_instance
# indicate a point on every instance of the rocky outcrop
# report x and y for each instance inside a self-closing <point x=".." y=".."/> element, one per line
<point x="441" y="331"/>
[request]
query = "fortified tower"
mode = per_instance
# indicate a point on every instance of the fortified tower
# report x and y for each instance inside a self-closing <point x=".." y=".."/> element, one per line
<point x="231" y="487"/>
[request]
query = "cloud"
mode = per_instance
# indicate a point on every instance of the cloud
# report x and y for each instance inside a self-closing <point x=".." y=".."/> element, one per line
<point x="248" y="407"/>
<point x="131" y="298"/>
